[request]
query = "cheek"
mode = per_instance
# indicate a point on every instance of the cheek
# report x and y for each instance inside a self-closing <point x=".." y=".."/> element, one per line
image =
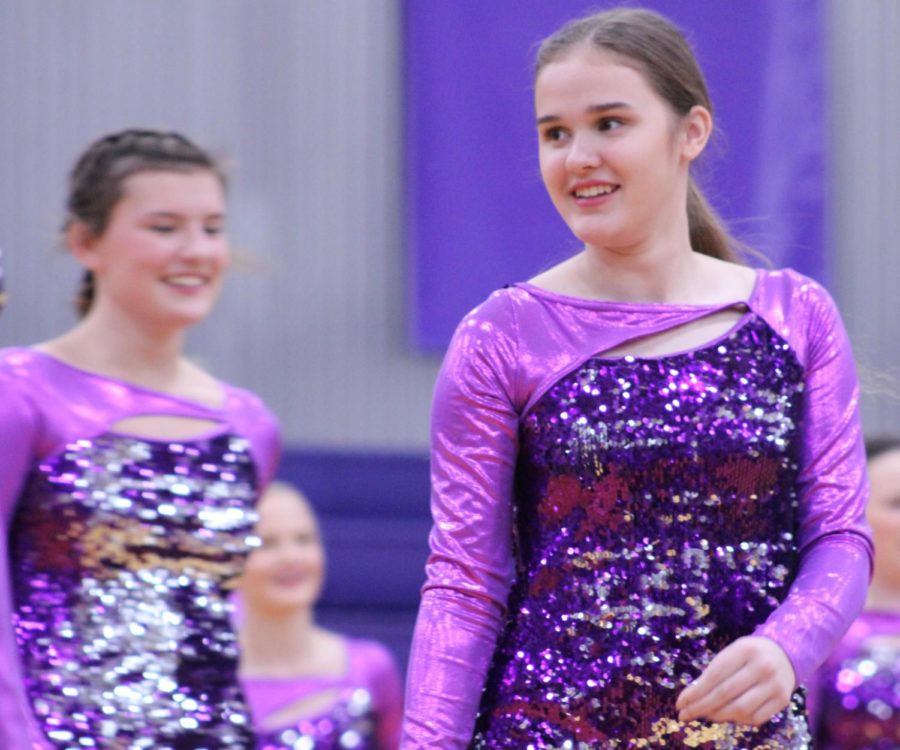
<point x="256" y="565"/>
<point x="550" y="163"/>
<point x="885" y="527"/>
<point x="317" y="562"/>
<point x="224" y="255"/>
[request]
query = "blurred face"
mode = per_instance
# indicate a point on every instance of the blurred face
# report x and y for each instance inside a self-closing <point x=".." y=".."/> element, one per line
<point x="164" y="251"/>
<point x="884" y="516"/>
<point x="614" y="156"/>
<point x="287" y="571"/>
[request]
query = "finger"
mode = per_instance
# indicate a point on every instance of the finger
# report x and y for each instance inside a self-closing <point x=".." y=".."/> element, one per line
<point x="743" y="708"/>
<point x="719" y="696"/>
<point x="765" y="712"/>
<point x="726" y="662"/>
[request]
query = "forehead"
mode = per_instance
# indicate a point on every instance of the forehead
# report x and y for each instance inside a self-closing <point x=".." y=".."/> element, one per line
<point x="280" y="507"/>
<point x="197" y="189"/>
<point x="588" y="73"/>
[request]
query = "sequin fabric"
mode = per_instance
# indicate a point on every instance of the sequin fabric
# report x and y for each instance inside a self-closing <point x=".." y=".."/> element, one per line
<point x="859" y="689"/>
<point x="655" y="503"/>
<point x="349" y="725"/>
<point x="122" y="556"/>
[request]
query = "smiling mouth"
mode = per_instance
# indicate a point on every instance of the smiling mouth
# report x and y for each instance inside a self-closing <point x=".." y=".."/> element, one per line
<point x="186" y="281"/>
<point x="594" y="191"/>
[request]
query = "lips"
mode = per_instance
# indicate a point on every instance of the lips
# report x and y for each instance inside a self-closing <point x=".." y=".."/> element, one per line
<point x="290" y="578"/>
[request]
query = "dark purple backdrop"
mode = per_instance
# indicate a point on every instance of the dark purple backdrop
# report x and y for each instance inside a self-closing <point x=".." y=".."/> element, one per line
<point x="477" y="213"/>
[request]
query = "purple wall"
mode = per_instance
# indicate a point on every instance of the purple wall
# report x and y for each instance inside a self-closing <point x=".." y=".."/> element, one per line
<point x="477" y="213"/>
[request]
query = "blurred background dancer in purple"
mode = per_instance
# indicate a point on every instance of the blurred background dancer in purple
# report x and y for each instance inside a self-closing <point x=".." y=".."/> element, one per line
<point x="129" y="475"/>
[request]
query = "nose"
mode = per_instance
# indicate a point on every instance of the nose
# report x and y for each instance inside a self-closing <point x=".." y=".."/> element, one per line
<point x="198" y="243"/>
<point x="584" y="153"/>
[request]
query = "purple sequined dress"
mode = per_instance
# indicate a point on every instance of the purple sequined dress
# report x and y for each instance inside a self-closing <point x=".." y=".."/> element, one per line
<point x="605" y="526"/>
<point x="856" y="693"/>
<point x="121" y="553"/>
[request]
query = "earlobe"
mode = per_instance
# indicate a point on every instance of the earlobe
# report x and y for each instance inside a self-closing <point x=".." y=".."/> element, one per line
<point x="698" y="127"/>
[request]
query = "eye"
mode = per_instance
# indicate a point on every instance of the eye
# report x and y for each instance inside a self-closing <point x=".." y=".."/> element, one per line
<point x="214" y="230"/>
<point x="554" y="134"/>
<point x="163" y="228"/>
<point x="609" y="123"/>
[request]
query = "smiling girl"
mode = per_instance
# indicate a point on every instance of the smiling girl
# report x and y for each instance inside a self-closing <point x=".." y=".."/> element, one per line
<point x="129" y="475"/>
<point x="648" y="478"/>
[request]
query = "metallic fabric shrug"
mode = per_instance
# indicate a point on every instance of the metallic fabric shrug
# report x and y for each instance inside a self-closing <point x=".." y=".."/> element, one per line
<point x="505" y="357"/>
<point x="106" y="536"/>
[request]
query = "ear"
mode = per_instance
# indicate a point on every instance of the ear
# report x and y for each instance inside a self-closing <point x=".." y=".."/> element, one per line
<point x="697" y="128"/>
<point x="82" y="241"/>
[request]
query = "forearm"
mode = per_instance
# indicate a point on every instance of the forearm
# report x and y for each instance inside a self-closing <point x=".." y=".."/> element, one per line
<point x="455" y="638"/>
<point x="825" y="598"/>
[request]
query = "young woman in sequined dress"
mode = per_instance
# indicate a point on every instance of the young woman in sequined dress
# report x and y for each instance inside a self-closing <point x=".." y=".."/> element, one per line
<point x="307" y="686"/>
<point x="855" y="695"/>
<point x="129" y="476"/>
<point x="648" y="476"/>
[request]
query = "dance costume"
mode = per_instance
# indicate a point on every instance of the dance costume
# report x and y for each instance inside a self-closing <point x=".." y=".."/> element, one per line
<point x="856" y="693"/>
<point x="605" y="525"/>
<point x="364" y="711"/>
<point x="122" y="549"/>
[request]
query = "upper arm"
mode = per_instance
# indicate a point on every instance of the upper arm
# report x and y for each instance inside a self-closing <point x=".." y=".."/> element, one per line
<point x="474" y="444"/>
<point x="834" y="484"/>
<point x="18" y="434"/>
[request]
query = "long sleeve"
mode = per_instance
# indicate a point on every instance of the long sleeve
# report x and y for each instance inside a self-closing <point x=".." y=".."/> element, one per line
<point x="470" y="569"/>
<point x="836" y="553"/>
<point x="17" y="437"/>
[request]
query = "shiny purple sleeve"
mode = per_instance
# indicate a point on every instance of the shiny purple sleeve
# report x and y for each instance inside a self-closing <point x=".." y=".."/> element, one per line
<point x="834" y="541"/>
<point x="474" y="439"/>
<point x="18" y="431"/>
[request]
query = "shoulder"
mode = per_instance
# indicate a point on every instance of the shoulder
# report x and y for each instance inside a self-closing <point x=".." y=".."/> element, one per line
<point x="253" y="420"/>
<point x="800" y="310"/>
<point x="23" y="377"/>
<point x="372" y="659"/>
<point x="788" y="288"/>
<point x="21" y="360"/>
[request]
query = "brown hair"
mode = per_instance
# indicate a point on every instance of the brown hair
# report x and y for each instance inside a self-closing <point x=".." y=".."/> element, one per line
<point x="96" y="180"/>
<point x="659" y="50"/>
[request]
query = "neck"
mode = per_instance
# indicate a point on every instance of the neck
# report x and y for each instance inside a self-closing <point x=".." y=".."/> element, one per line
<point x="123" y="348"/>
<point x="641" y="274"/>
<point x="277" y="644"/>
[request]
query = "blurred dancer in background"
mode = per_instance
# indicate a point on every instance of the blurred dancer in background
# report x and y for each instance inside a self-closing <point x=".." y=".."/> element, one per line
<point x="129" y="475"/>
<point x="308" y="687"/>
<point x="648" y="477"/>
<point x="855" y="698"/>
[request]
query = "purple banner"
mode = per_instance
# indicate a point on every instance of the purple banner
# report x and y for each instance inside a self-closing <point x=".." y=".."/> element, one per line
<point x="477" y="213"/>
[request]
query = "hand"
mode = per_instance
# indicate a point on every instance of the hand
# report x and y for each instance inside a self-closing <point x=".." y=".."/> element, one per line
<point x="748" y="682"/>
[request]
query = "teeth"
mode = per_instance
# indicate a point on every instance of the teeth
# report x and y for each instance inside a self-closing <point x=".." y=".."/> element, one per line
<point x="594" y="191"/>
<point x="186" y="280"/>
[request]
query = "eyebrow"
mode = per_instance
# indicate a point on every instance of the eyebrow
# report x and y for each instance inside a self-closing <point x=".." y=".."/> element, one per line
<point x="176" y="215"/>
<point x="593" y="109"/>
